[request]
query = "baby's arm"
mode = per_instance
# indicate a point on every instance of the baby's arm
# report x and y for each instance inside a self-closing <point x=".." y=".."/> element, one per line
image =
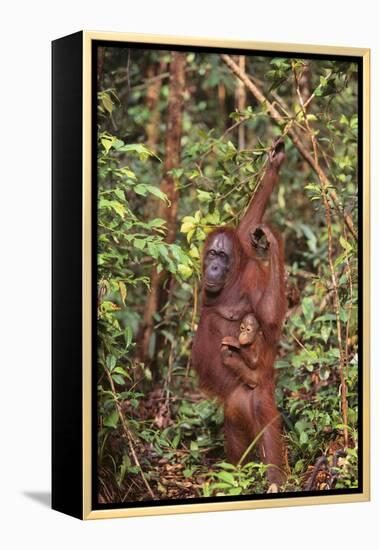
<point x="232" y="359"/>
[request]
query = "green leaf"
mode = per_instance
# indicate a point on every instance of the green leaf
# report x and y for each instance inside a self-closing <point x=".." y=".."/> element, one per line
<point x="125" y="171"/>
<point x="325" y="332"/>
<point x="143" y="152"/>
<point x="194" y="446"/>
<point x="122" y="287"/>
<point x="213" y="219"/>
<point x="118" y="143"/>
<point x="114" y="205"/>
<point x="185" y="271"/>
<point x="157" y="222"/>
<point x="227" y="477"/>
<point x="122" y="371"/>
<point x="111" y="362"/>
<point x="345" y="244"/>
<point x="176" y="441"/>
<point x="310" y="236"/>
<point x="111" y="420"/>
<point x="140" y="189"/>
<point x="108" y="104"/>
<point x="118" y="379"/>
<point x="139" y="243"/>
<point x="189" y="219"/>
<point x="194" y="252"/>
<point x="235" y="491"/>
<point x="123" y="469"/>
<point x="343" y="315"/>
<point x="186" y="227"/>
<point x="144" y="188"/>
<point x="190" y="234"/>
<point x="119" y="194"/>
<point x="324" y="372"/>
<point x="204" y="196"/>
<point x="107" y="142"/>
<point x="226" y="466"/>
<point x="128" y="335"/>
<point x="301" y="425"/>
<point x="308" y="309"/>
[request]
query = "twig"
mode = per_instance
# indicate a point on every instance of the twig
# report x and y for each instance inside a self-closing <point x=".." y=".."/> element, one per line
<point x="301" y="273"/>
<point x="334" y="470"/>
<point x="350" y="306"/>
<point x="300" y="344"/>
<point x="324" y="189"/>
<point x="195" y="303"/>
<point x="279" y="101"/>
<point x="193" y="319"/>
<point x="128" y="434"/>
<point x="279" y="119"/>
<point x="168" y="380"/>
<point x="256" y="438"/>
<point x="320" y="462"/>
<point x="331" y="472"/>
<point x="233" y="126"/>
<point x="241" y="102"/>
<point x="148" y="81"/>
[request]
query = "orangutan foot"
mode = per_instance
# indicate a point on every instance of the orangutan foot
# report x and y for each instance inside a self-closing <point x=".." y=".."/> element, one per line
<point x="273" y="488"/>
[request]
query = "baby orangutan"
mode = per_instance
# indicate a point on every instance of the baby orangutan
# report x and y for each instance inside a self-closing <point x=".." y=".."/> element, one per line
<point x="242" y="355"/>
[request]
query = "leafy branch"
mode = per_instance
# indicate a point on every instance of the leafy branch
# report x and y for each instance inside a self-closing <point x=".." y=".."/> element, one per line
<point x="288" y="129"/>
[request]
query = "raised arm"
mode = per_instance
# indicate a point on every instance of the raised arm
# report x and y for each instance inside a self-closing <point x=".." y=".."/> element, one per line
<point x="257" y="208"/>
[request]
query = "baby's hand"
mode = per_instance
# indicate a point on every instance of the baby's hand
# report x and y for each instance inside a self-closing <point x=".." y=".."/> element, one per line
<point x="230" y="342"/>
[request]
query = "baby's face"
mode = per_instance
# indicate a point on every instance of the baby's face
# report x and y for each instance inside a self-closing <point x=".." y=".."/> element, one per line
<point x="248" y="330"/>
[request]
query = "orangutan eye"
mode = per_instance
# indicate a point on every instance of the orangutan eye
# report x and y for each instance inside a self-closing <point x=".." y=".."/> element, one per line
<point x="212" y="253"/>
<point x="242" y="328"/>
<point x="248" y="329"/>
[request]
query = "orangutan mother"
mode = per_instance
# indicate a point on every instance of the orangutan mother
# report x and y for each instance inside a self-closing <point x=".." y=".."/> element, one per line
<point x="238" y="281"/>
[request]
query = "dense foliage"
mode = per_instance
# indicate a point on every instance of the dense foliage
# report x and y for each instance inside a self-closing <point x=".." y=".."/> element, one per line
<point x="158" y="437"/>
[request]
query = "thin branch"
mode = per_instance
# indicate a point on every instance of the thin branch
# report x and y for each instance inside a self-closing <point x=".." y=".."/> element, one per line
<point x="300" y="344"/>
<point x="193" y="319"/>
<point x="148" y="81"/>
<point x="256" y="439"/>
<point x="128" y="434"/>
<point x="350" y="305"/>
<point x="168" y="380"/>
<point x="320" y="462"/>
<point x="241" y="102"/>
<point x="337" y="307"/>
<point x="233" y="126"/>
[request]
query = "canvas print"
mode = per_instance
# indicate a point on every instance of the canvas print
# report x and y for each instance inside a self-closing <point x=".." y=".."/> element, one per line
<point x="228" y="274"/>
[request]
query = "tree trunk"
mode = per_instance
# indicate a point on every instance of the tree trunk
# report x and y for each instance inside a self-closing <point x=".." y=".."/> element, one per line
<point x="221" y="92"/>
<point x="152" y="127"/>
<point x="152" y="103"/>
<point x="100" y="67"/>
<point x="241" y="103"/>
<point x="157" y="295"/>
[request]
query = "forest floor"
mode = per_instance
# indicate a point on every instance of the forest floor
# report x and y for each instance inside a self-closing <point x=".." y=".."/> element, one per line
<point x="181" y="468"/>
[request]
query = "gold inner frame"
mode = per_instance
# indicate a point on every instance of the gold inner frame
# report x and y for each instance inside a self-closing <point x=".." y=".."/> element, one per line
<point x="88" y="513"/>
